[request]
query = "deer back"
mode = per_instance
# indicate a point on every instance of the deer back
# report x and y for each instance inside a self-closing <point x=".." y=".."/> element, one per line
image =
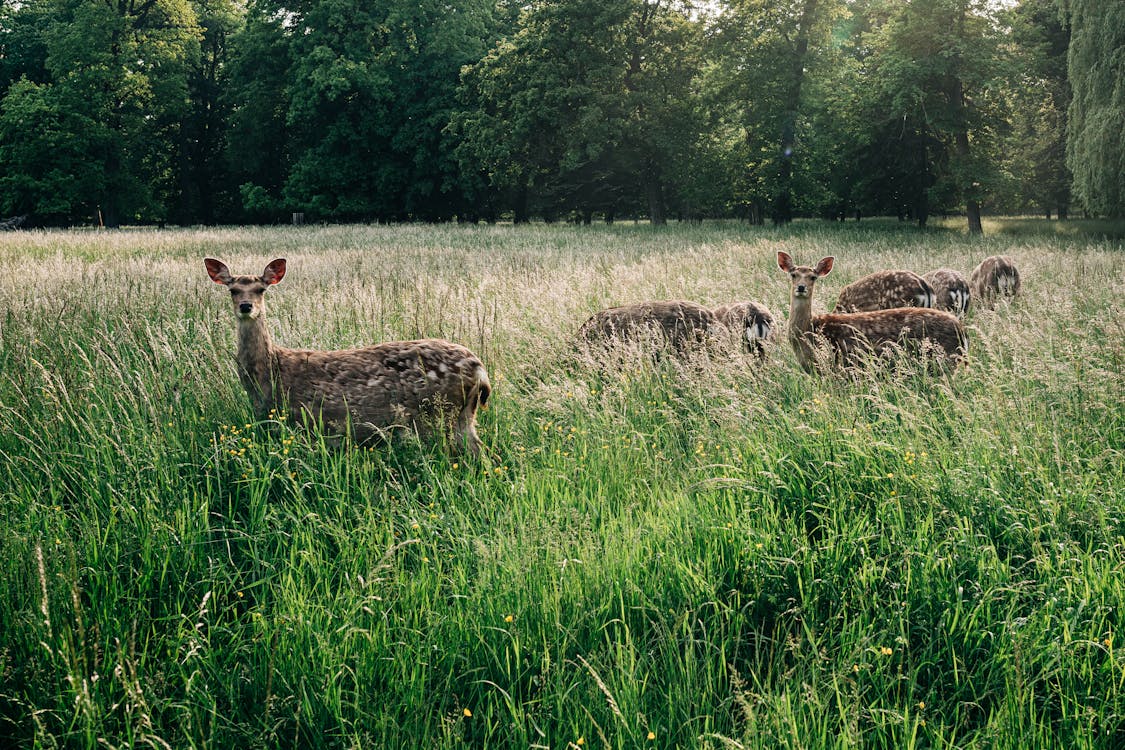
<point x="884" y="290"/>
<point x="854" y="334"/>
<point x="388" y="384"/>
<point x="683" y="324"/>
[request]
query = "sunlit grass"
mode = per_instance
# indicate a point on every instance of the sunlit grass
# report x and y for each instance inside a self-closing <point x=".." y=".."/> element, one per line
<point x="712" y="553"/>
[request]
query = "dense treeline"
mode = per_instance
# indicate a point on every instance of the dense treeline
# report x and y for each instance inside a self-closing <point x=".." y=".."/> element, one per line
<point x="203" y="111"/>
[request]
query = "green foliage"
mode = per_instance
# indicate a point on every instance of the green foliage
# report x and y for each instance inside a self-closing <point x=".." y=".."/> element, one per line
<point x="189" y="111"/>
<point x="936" y="69"/>
<point x="110" y="109"/>
<point x="1035" y="148"/>
<point x="361" y="95"/>
<point x="583" y="105"/>
<point x="1095" y="146"/>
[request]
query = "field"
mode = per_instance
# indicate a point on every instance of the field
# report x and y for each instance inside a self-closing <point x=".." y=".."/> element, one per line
<point x="719" y="553"/>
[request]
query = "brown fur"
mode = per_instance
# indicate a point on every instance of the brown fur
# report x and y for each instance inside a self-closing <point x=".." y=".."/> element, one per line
<point x="884" y="290"/>
<point x="995" y="277"/>
<point x="854" y="337"/>
<point x="751" y="322"/>
<point x="683" y="325"/>
<point x="951" y="291"/>
<point x="415" y="384"/>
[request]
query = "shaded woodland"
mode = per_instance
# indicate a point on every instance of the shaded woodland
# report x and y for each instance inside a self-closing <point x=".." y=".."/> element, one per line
<point x="217" y="111"/>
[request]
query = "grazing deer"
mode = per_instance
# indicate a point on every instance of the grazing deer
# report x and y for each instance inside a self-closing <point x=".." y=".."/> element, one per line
<point x="752" y="322"/>
<point x="993" y="278"/>
<point x="683" y="325"/>
<point x="884" y="290"/>
<point x="856" y="336"/>
<point x="415" y="384"/>
<point x="951" y="291"/>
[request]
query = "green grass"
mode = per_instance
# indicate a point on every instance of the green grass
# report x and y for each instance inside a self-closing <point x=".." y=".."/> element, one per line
<point x="720" y="553"/>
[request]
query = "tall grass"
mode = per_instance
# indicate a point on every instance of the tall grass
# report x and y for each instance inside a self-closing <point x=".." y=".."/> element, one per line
<point x="713" y="553"/>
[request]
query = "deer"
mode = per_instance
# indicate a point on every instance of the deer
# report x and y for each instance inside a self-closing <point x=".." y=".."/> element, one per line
<point x="951" y="291"/>
<point x="884" y="290"/>
<point x="683" y="325"/>
<point x="993" y="278"/>
<point x="750" y="321"/>
<point x="854" y="337"/>
<point x="362" y="393"/>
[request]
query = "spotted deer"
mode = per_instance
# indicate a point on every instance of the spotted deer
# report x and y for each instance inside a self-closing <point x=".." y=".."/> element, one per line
<point x="995" y="277"/>
<point x="951" y="291"/>
<point x="751" y="322"/>
<point x="884" y="290"/>
<point x="421" y="385"/>
<point x="683" y="325"/>
<point x="855" y="337"/>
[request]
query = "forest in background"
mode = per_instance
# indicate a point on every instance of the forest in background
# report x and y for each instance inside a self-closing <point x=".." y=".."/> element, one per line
<point x="220" y="111"/>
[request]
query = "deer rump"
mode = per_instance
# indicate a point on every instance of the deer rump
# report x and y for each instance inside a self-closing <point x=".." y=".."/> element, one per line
<point x="423" y="384"/>
<point x="857" y="337"/>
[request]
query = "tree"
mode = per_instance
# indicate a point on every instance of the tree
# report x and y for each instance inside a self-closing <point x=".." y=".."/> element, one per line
<point x="358" y="98"/>
<point x="203" y="190"/>
<point x="764" y="51"/>
<point x="585" y="106"/>
<point x="1035" y="151"/>
<point x="936" y="68"/>
<point x="108" y="113"/>
<point x="1095" y="147"/>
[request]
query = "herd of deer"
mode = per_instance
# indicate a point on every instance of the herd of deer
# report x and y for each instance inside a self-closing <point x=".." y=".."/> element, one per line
<point x="435" y="384"/>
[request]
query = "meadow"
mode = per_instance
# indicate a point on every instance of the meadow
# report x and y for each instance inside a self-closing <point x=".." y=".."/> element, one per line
<point x="719" y="553"/>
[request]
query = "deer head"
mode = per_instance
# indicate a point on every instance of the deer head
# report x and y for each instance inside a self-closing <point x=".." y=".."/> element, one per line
<point x="802" y="278"/>
<point x="247" y="292"/>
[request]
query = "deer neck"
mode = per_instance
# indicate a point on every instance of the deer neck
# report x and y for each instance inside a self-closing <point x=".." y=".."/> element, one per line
<point x="800" y="326"/>
<point x="255" y="363"/>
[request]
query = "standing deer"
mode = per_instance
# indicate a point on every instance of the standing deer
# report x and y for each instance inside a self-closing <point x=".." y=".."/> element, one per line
<point x="856" y="336"/>
<point x="884" y="290"/>
<point x="683" y="325"/>
<point x="995" y="277"/>
<point x="416" y="384"/>
<point x="751" y="322"/>
<point x="951" y="291"/>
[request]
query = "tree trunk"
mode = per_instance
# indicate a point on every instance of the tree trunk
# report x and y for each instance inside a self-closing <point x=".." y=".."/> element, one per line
<point x="654" y="192"/>
<point x="520" y="207"/>
<point x="956" y="93"/>
<point x="972" y="210"/>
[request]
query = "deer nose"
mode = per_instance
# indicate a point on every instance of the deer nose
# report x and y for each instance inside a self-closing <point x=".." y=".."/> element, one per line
<point x="801" y="288"/>
<point x="245" y="308"/>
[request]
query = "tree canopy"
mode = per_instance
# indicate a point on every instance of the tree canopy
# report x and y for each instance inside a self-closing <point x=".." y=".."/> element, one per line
<point x="204" y="111"/>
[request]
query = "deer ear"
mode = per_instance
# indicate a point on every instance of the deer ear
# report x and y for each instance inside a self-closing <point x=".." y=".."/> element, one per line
<point x="274" y="272"/>
<point x="784" y="261"/>
<point x="217" y="270"/>
<point x="825" y="265"/>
